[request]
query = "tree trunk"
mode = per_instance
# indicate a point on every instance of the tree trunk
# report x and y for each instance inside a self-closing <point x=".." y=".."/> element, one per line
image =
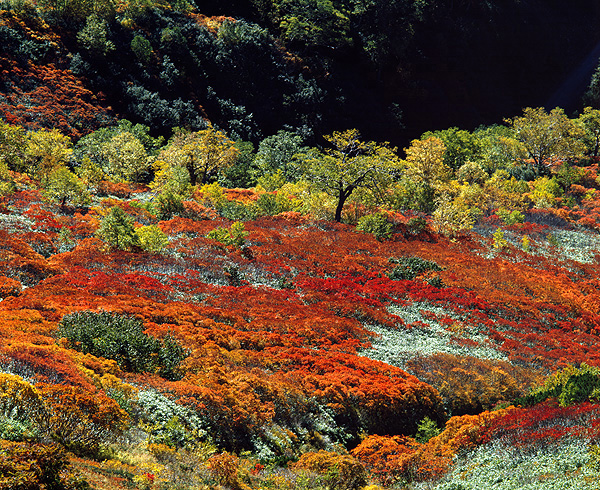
<point x="192" y="171"/>
<point x="342" y="196"/>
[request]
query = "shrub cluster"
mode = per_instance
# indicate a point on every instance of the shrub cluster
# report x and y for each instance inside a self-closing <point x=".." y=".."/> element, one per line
<point x="408" y="268"/>
<point x="25" y="466"/>
<point x="569" y="386"/>
<point x="339" y="471"/>
<point x="377" y="224"/>
<point x="122" y="339"/>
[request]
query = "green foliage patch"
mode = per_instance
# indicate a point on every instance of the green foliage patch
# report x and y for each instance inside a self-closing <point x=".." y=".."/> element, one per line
<point x="409" y="268"/>
<point x="122" y="339"/>
<point x="377" y="224"/>
<point x="236" y="235"/>
<point x="569" y="386"/>
<point x="117" y="230"/>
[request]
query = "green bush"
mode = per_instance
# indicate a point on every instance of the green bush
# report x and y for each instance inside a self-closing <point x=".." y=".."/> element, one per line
<point x="416" y="225"/>
<point x="426" y="429"/>
<point x="569" y="386"/>
<point x="409" y="268"/>
<point x="142" y="48"/>
<point x="510" y="218"/>
<point x="580" y="387"/>
<point x="168" y="204"/>
<point x="122" y="339"/>
<point x="14" y="429"/>
<point x="377" y="224"/>
<point x="94" y="37"/>
<point x="151" y="238"/>
<point x="436" y="282"/>
<point x="272" y="204"/>
<point x="238" y="211"/>
<point x="116" y="229"/>
<point x="236" y="235"/>
<point x="168" y="422"/>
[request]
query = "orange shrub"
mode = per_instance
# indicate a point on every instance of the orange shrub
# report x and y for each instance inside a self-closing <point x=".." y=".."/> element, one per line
<point x="470" y="385"/>
<point x="9" y="287"/>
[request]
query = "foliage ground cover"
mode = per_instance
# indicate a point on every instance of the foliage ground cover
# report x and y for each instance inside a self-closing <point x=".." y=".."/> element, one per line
<point x="315" y="334"/>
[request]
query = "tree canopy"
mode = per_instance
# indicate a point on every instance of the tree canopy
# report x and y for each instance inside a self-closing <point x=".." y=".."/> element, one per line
<point x="547" y="136"/>
<point x="350" y="164"/>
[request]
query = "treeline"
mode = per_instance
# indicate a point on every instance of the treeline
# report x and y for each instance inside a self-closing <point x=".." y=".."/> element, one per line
<point x="536" y="160"/>
<point x="312" y="66"/>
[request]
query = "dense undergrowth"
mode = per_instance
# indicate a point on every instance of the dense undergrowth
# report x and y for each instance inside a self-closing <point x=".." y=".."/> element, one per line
<point x="286" y="351"/>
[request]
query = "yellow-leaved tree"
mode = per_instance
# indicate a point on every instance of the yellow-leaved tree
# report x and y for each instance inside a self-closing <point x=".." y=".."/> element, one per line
<point x="126" y="157"/>
<point x="202" y="153"/>
<point x="350" y="164"/>
<point x="45" y="151"/>
<point x="424" y="173"/>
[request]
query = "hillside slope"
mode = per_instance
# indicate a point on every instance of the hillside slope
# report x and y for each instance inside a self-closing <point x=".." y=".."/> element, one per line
<point x="281" y="338"/>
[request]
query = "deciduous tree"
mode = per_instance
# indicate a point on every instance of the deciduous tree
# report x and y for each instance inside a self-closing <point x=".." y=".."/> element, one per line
<point x="203" y="153"/>
<point x="590" y="122"/>
<point x="547" y="136"/>
<point x="350" y="164"/>
<point x="64" y="186"/>
<point x="46" y="150"/>
<point x="126" y="156"/>
<point x="12" y="145"/>
<point x="425" y="168"/>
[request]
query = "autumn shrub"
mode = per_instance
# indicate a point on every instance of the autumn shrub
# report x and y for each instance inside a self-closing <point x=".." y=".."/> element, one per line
<point x="339" y="471"/>
<point x="27" y="466"/>
<point x="81" y="419"/>
<point x="499" y="241"/>
<point x="408" y="268"/>
<point x="403" y="459"/>
<point x="376" y="224"/>
<point x="224" y="468"/>
<point x="271" y="181"/>
<point x="9" y="287"/>
<point x="390" y="459"/>
<point x="121" y="338"/>
<point x="470" y="385"/>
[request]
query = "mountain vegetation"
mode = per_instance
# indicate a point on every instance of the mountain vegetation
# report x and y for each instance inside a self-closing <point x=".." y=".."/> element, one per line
<point x="219" y="271"/>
